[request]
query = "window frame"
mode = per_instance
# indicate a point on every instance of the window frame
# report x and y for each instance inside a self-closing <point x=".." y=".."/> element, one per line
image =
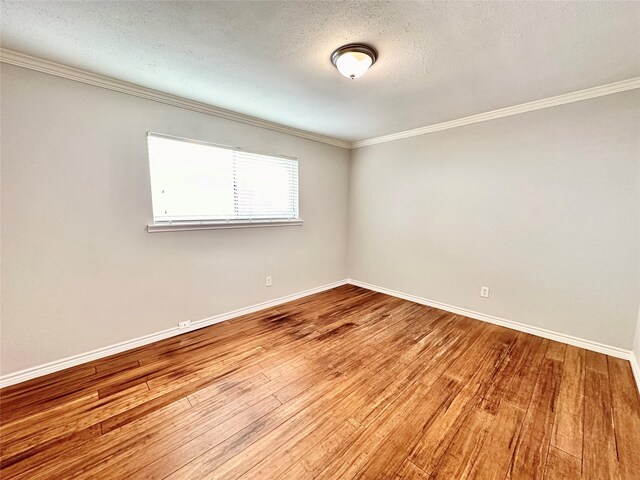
<point x="213" y="224"/>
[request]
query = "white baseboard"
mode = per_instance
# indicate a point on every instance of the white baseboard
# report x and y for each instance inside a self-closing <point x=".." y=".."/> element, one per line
<point x="635" y="368"/>
<point x="521" y="327"/>
<point x="38" y="371"/>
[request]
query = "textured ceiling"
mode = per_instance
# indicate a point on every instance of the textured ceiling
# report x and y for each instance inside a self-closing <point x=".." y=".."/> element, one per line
<point x="438" y="60"/>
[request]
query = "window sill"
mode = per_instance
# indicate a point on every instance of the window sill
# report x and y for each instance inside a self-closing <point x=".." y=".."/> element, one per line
<point x="187" y="226"/>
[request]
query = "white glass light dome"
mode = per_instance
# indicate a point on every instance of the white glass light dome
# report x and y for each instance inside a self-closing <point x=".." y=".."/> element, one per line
<point x="354" y="60"/>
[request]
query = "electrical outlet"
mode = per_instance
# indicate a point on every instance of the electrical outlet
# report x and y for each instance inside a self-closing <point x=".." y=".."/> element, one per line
<point x="185" y="324"/>
<point x="484" y="292"/>
<point x="269" y="281"/>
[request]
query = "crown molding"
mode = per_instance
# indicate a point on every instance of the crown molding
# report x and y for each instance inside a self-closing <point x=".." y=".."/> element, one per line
<point x="59" y="70"/>
<point x="608" y="89"/>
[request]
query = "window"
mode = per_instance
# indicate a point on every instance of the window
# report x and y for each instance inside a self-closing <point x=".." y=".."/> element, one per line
<point x="199" y="185"/>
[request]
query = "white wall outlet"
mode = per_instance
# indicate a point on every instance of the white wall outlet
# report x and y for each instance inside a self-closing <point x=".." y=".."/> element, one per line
<point x="484" y="292"/>
<point x="269" y="281"/>
<point x="185" y="324"/>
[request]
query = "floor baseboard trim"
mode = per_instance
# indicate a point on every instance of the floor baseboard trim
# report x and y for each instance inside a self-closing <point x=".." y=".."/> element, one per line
<point x="635" y="368"/>
<point x="521" y="327"/>
<point x="55" y="366"/>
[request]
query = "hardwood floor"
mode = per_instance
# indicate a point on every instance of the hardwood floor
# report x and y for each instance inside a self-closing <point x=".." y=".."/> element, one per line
<point x="344" y="384"/>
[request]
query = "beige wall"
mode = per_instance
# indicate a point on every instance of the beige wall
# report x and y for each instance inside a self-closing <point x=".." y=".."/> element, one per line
<point x="542" y="207"/>
<point x="80" y="272"/>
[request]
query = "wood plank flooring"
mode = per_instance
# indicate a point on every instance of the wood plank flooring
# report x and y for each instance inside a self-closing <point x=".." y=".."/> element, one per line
<point x="344" y="384"/>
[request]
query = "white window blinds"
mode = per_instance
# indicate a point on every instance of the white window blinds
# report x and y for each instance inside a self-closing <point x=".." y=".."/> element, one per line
<point x="198" y="182"/>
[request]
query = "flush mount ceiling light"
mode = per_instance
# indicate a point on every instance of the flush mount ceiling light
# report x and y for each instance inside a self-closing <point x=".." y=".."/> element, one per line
<point x="354" y="60"/>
